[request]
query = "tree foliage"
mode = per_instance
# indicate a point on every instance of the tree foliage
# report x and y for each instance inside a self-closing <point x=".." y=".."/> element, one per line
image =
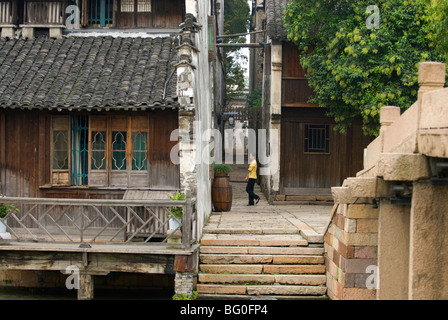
<point x="355" y="68"/>
<point x="236" y="20"/>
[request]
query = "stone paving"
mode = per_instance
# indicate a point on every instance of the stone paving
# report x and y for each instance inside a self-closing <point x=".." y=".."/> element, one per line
<point x="310" y="221"/>
<point x="263" y="250"/>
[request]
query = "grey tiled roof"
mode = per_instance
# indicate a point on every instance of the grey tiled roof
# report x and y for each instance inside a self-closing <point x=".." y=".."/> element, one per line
<point x="274" y="20"/>
<point x="88" y="72"/>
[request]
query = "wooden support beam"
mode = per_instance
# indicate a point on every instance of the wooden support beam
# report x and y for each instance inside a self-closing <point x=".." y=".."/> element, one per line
<point x="85" y="291"/>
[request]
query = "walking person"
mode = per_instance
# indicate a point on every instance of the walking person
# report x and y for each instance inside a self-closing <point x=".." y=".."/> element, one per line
<point x="251" y="178"/>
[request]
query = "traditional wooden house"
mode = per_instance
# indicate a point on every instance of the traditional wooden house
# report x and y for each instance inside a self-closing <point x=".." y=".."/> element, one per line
<point x="87" y="119"/>
<point x="307" y="156"/>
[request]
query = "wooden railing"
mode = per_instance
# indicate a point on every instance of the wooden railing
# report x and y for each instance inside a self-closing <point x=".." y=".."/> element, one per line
<point x="6" y="13"/>
<point x="100" y="221"/>
<point x="44" y="12"/>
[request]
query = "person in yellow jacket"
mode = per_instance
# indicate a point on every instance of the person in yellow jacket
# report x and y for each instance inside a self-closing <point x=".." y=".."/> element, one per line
<point x="251" y="178"/>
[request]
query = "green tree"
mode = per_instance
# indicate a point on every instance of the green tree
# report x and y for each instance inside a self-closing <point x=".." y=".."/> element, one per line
<point x="437" y="19"/>
<point x="236" y="20"/>
<point x="356" y="68"/>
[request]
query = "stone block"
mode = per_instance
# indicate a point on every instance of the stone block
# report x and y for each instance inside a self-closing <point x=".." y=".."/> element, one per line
<point x="294" y="269"/>
<point x="342" y="195"/>
<point x="8" y="32"/>
<point x="55" y="32"/>
<point x="28" y="33"/>
<point x="357" y="265"/>
<point x="362" y="211"/>
<point x="358" y="294"/>
<point x="220" y="289"/>
<point x="346" y="251"/>
<point x="286" y="290"/>
<point x="367" y="252"/>
<point x="403" y="167"/>
<point x="350" y="225"/>
<point x="367" y="225"/>
<point x="297" y="259"/>
<point x="360" y="239"/>
<point x="433" y="142"/>
<point x="389" y="114"/>
<point x="431" y="73"/>
<point x="308" y="280"/>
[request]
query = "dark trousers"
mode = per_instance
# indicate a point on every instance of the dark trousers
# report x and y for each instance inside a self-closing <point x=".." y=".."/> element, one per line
<point x="250" y="191"/>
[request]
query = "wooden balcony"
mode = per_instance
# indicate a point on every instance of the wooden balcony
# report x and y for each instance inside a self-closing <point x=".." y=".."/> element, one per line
<point x="6" y="13"/>
<point x="44" y="13"/>
<point x="87" y="222"/>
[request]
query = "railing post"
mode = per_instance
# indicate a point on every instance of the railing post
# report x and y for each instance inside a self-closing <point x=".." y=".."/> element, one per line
<point x="186" y="223"/>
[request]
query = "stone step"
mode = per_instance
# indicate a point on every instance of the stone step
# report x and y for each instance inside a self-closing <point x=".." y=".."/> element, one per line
<point x="260" y="259"/>
<point x="262" y="269"/>
<point x="262" y="250"/>
<point x="261" y="289"/>
<point x="308" y="280"/>
<point x="292" y="240"/>
<point x="249" y="230"/>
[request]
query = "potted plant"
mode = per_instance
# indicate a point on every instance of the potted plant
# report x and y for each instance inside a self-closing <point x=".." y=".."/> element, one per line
<point x="176" y="212"/>
<point x="221" y="188"/>
<point x="221" y="170"/>
<point x="4" y="209"/>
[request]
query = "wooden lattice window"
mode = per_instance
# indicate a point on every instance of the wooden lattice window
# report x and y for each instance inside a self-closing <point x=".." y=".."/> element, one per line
<point x="60" y="152"/>
<point x="100" y="151"/>
<point x="130" y="5"/>
<point x="317" y="139"/>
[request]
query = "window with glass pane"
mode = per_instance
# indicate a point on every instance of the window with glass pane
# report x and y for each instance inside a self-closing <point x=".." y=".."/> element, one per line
<point x="119" y="140"/>
<point x="60" y="150"/>
<point x="139" y="148"/>
<point x="98" y="159"/>
<point x="101" y="13"/>
<point x="127" y="6"/>
<point x="80" y="149"/>
<point x="144" y="6"/>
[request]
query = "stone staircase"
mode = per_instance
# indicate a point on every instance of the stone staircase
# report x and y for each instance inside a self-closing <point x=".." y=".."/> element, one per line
<point x="252" y="252"/>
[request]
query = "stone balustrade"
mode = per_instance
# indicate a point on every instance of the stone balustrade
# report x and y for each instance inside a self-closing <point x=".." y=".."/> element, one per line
<point x="387" y="238"/>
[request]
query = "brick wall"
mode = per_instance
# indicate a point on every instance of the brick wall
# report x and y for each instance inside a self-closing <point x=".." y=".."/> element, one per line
<point x="350" y="247"/>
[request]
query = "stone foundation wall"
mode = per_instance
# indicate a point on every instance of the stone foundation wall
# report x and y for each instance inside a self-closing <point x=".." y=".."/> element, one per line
<point x="350" y="248"/>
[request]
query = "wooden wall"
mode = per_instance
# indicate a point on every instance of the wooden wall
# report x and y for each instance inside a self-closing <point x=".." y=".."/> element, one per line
<point x="295" y="89"/>
<point x="25" y="156"/>
<point x="299" y="170"/>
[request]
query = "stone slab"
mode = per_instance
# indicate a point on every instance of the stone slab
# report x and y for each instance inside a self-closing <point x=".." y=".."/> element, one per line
<point x="286" y="290"/>
<point x="220" y="289"/>
<point x="308" y="280"/>
<point x="236" y="278"/>
<point x="294" y="269"/>
<point x="234" y="258"/>
<point x="297" y="259"/>
<point x="231" y="268"/>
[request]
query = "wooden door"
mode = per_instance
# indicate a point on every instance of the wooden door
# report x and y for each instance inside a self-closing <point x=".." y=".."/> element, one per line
<point x="315" y="157"/>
